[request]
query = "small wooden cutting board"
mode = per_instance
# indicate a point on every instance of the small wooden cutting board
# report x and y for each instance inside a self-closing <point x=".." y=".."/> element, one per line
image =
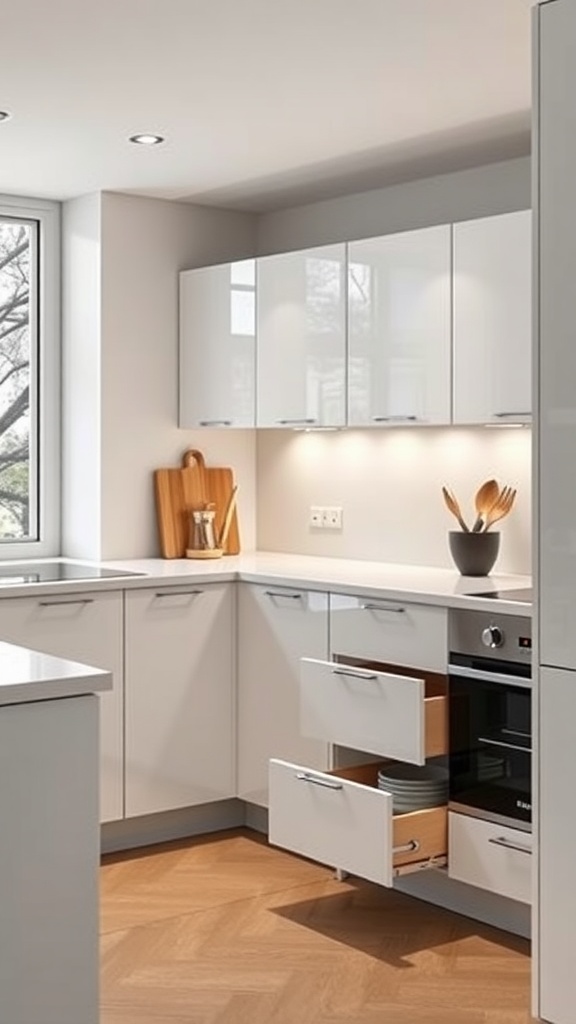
<point x="193" y="485"/>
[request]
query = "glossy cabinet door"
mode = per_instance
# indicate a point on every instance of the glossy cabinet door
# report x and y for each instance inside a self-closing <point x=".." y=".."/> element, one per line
<point x="493" y="319"/>
<point x="277" y="626"/>
<point x="301" y="331"/>
<point x="556" y="354"/>
<point x="399" y="323"/>
<point x="217" y="345"/>
<point x="84" y="627"/>
<point x="179" y="697"/>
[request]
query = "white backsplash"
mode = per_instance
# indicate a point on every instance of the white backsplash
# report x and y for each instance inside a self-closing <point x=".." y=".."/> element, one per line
<point x="388" y="483"/>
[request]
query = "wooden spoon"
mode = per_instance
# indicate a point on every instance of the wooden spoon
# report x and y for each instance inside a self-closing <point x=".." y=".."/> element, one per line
<point x="454" y="507"/>
<point x="486" y="496"/>
<point x="502" y="507"/>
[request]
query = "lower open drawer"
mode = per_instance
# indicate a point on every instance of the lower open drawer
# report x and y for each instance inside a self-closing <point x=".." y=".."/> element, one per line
<point x="341" y="818"/>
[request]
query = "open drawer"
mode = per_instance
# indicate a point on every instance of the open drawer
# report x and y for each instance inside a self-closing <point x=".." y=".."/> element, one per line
<point x="371" y="707"/>
<point x="341" y="818"/>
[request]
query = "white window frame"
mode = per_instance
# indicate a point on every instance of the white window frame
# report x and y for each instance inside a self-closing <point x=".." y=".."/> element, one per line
<point x="47" y="214"/>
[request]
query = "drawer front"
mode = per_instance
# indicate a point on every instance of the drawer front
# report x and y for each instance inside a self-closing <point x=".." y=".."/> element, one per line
<point x="342" y="819"/>
<point x="331" y="820"/>
<point x="363" y="709"/>
<point x="490" y="856"/>
<point x="389" y="631"/>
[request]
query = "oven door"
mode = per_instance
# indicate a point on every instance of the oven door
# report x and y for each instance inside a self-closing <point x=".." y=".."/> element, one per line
<point x="490" y="743"/>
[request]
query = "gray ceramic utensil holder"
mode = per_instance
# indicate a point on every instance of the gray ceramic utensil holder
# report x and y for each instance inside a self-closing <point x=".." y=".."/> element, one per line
<point x="474" y="554"/>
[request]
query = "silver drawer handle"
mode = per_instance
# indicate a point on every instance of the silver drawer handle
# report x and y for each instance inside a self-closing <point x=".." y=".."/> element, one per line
<point x="509" y="845"/>
<point x="215" y="423"/>
<point x="305" y="777"/>
<point x="178" y="593"/>
<point x="369" y="606"/>
<point x="410" y="847"/>
<point x="78" y="600"/>
<point x="296" y="422"/>
<point x="276" y="593"/>
<point x="354" y="675"/>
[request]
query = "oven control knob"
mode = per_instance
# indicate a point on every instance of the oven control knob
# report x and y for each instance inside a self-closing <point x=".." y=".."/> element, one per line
<point x="492" y="636"/>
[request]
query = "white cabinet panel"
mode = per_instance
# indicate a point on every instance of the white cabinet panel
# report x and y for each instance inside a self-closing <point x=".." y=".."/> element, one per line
<point x="86" y="628"/>
<point x="399" y="328"/>
<point x="277" y="626"/>
<point x="557" y="841"/>
<point x="490" y="856"/>
<point x="557" y="350"/>
<point x="179" y="697"/>
<point x="218" y="345"/>
<point x="343" y="819"/>
<point x="493" y="319"/>
<point x="301" y="330"/>
<point x="389" y="631"/>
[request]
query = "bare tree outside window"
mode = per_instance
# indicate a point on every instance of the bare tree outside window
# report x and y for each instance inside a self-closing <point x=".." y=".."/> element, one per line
<point x="17" y="354"/>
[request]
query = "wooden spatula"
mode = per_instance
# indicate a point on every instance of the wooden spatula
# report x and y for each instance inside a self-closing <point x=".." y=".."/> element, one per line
<point x="486" y="496"/>
<point x="454" y="507"/>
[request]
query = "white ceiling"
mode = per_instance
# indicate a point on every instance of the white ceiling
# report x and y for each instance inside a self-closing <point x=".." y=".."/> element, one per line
<point x="263" y="102"/>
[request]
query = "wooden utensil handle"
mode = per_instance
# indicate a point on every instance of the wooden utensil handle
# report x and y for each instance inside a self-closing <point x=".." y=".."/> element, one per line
<point x="228" y="519"/>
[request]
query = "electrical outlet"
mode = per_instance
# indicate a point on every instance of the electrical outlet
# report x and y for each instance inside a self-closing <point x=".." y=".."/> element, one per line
<point x="315" y="516"/>
<point x="332" y="518"/>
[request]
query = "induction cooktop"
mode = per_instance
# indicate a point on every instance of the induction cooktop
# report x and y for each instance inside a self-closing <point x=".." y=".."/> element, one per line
<point x="522" y="594"/>
<point x="55" y="572"/>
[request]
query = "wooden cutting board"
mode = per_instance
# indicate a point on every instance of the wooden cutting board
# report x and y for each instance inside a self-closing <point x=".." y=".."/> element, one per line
<point x="194" y="485"/>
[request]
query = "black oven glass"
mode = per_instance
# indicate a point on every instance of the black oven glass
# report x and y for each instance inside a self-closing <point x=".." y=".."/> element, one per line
<point x="490" y="747"/>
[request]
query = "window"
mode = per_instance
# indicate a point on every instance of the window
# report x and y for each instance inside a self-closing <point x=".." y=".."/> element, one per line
<point x="29" y="378"/>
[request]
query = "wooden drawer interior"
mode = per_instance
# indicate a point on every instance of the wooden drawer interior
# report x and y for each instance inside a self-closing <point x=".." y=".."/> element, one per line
<point x="427" y="828"/>
<point x="435" y="698"/>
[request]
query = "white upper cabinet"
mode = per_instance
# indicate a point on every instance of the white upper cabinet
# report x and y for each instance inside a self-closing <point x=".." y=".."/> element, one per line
<point x="399" y="321"/>
<point x="218" y="345"/>
<point x="301" y="329"/>
<point x="492" y="319"/>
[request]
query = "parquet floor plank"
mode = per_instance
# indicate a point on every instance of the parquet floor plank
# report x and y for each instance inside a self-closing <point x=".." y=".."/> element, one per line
<point x="228" y="930"/>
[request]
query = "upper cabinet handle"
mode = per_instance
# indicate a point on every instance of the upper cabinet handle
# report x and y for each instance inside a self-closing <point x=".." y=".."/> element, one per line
<point x="295" y="422"/>
<point x="509" y="415"/>
<point x="215" y="423"/>
<point x="397" y="419"/>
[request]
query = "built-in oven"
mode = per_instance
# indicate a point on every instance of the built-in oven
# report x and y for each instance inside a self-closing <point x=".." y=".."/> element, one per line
<point x="490" y="720"/>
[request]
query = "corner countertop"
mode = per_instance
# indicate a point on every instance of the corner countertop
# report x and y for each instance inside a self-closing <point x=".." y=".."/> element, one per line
<point x="418" y="584"/>
<point x="29" y="676"/>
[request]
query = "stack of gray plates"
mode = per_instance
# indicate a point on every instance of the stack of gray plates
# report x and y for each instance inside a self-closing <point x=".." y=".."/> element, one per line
<point x="414" y="787"/>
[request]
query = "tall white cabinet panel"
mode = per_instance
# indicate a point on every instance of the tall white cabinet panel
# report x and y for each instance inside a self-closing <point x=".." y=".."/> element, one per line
<point x="557" y="901"/>
<point x="555" y="169"/>
<point x="179" y="697"/>
<point x="83" y="627"/>
<point x="301" y="330"/>
<point x="277" y="626"/>
<point x="493" y="319"/>
<point x="399" y="324"/>
<point x="217" y="345"/>
<point x="557" y="348"/>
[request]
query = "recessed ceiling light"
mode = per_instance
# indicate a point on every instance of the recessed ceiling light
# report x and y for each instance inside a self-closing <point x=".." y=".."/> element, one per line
<point x="5" y="115"/>
<point x="146" y="139"/>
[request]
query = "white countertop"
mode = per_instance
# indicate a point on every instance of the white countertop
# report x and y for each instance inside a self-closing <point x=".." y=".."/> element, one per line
<point x="27" y="676"/>
<point x="420" y="584"/>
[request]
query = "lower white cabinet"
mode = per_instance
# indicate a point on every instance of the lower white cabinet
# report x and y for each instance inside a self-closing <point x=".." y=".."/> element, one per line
<point x="179" y="697"/>
<point x="342" y="819"/>
<point x="84" y="627"/>
<point x="277" y="626"/>
<point x="490" y="856"/>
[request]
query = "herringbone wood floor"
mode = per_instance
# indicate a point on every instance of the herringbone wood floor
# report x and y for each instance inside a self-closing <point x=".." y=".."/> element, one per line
<point x="225" y="929"/>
